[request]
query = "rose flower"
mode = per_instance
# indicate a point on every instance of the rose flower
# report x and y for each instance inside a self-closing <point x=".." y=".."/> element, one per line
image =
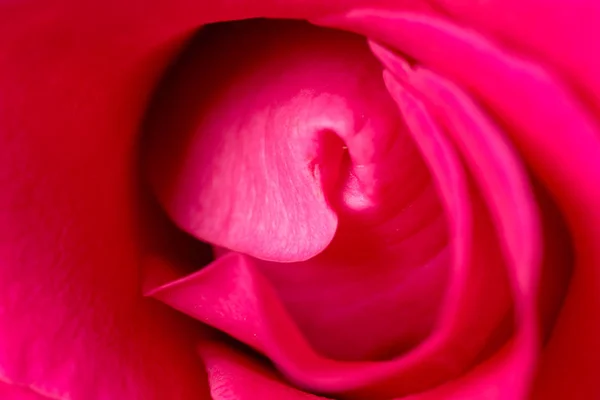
<point x="263" y="199"/>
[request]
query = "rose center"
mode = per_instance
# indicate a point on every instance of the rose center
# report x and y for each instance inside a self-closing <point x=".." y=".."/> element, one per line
<point x="279" y="140"/>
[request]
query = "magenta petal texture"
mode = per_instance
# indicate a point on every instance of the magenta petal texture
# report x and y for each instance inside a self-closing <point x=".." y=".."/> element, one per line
<point x="401" y="200"/>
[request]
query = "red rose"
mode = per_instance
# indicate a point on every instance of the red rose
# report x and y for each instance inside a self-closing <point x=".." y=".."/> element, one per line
<point x="402" y="201"/>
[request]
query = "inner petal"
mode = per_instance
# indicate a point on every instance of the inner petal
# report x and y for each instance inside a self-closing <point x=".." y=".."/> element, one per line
<point x="279" y="140"/>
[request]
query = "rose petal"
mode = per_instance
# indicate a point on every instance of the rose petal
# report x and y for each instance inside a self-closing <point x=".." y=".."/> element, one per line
<point x="565" y="164"/>
<point x="232" y="375"/>
<point x="496" y="166"/>
<point x="260" y="320"/>
<point x="72" y="322"/>
<point x="75" y="80"/>
<point x="13" y="392"/>
<point x="393" y="286"/>
<point x="257" y="172"/>
<point x="501" y="372"/>
<point x="558" y="34"/>
<point x="99" y="116"/>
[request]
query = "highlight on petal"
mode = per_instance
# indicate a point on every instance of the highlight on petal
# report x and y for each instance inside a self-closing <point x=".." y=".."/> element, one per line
<point x="248" y="157"/>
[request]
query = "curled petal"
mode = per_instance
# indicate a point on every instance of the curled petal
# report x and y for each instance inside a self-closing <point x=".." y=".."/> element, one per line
<point x="261" y="321"/>
<point x="249" y="159"/>
<point x="232" y="375"/>
<point x="499" y="372"/>
<point x="541" y="124"/>
<point x="75" y="79"/>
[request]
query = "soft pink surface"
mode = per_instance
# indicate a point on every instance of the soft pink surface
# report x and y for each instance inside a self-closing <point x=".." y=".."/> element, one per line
<point x="233" y="375"/>
<point x="74" y="82"/>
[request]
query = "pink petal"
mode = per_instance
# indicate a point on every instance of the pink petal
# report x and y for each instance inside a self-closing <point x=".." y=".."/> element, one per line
<point x="255" y="170"/>
<point x="394" y="289"/>
<point x="534" y="107"/>
<point x="499" y="172"/>
<point x="75" y="79"/>
<point x="14" y="392"/>
<point x="72" y="101"/>
<point x="232" y="375"/>
<point x="73" y="324"/>
<point x="558" y="34"/>
<point x="519" y="362"/>
<point x="247" y="307"/>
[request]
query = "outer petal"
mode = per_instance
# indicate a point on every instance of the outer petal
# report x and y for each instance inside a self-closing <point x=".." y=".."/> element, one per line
<point x="559" y="34"/>
<point x="72" y="324"/>
<point x="559" y="141"/>
<point x="506" y="376"/>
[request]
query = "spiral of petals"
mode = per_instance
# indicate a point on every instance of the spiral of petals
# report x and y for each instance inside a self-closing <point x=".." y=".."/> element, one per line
<point x="416" y="243"/>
